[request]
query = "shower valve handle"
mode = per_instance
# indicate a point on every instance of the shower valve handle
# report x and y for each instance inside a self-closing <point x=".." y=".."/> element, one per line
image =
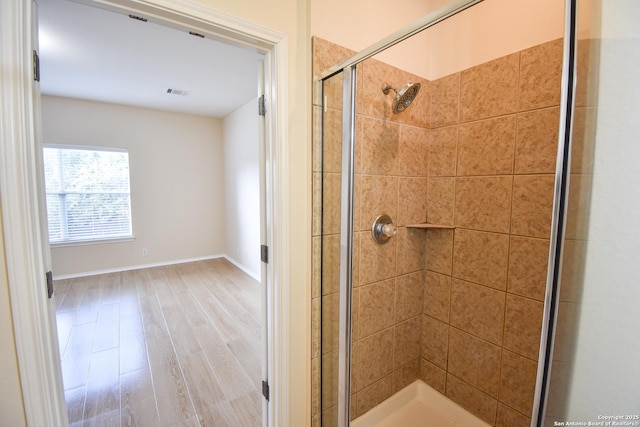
<point x="383" y="229"/>
<point x="389" y="230"/>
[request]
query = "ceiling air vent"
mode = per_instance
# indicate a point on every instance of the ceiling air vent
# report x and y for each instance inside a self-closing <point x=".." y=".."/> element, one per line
<point x="178" y="92"/>
<point x="138" y="18"/>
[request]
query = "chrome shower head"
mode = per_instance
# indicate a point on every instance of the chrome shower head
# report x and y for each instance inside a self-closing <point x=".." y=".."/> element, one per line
<point x="404" y="96"/>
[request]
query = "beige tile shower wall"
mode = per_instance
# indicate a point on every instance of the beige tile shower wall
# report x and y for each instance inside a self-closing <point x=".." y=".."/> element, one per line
<point x="493" y="143"/>
<point x="391" y="178"/>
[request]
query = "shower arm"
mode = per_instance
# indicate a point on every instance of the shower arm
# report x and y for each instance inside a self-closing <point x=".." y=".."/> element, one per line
<point x="387" y="88"/>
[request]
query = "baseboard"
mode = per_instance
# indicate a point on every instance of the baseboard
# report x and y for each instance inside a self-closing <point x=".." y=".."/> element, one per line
<point x="243" y="268"/>
<point x="141" y="266"/>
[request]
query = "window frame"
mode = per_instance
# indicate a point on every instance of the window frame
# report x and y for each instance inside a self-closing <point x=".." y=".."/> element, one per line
<point x="96" y="241"/>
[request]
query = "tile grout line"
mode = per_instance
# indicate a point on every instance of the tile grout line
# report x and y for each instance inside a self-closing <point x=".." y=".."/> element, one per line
<point x="146" y="345"/>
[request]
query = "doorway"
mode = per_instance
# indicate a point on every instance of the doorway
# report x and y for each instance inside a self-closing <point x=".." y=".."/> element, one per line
<point x="41" y="392"/>
<point x="179" y="104"/>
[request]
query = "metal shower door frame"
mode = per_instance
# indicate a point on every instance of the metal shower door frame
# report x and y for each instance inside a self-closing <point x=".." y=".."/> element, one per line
<point x="346" y="242"/>
<point x="558" y="215"/>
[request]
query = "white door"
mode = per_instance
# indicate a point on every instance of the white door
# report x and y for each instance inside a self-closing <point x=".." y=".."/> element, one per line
<point x="264" y="247"/>
<point x="37" y="144"/>
<point x="42" y="209"/>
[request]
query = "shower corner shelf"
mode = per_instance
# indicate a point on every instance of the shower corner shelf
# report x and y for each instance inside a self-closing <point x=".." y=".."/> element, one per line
<point x="426" y="226"/>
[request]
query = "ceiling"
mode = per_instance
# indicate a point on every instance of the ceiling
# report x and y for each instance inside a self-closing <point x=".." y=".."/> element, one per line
<point x="95" y="54"/>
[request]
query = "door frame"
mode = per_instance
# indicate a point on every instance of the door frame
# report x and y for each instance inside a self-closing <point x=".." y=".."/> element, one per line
<point x="32" y="313"/>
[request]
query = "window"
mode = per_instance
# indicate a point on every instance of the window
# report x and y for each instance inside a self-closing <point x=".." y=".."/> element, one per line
<point x="88" y="194"/>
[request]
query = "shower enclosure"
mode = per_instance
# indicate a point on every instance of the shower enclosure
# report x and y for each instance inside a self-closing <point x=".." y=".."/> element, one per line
<point x="432" y="223"/>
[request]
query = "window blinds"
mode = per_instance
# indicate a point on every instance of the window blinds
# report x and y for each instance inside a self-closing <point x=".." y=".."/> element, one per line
<point x="88" y="196"/>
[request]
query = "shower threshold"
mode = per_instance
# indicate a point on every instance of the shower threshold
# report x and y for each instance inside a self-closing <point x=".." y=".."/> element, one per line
<point x="418" y="405"/>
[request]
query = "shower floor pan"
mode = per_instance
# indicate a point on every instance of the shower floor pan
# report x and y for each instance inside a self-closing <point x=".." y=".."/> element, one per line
<point x="418" y="405"/>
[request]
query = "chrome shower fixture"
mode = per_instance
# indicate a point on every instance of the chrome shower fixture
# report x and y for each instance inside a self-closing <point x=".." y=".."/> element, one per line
<point x="383" y="229"/>
<point x="404" y="96"/>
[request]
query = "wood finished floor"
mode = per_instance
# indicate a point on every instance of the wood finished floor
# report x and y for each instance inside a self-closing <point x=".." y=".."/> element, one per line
<point x="167" y="346"/>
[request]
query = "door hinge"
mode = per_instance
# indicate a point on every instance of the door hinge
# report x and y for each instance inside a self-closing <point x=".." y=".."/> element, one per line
<point x="264" y="253"/>
<point x="49" y="284"/>
<point x="36" y="66"/>
<point x="262" y="106"/>
<point x="265" y="389"/>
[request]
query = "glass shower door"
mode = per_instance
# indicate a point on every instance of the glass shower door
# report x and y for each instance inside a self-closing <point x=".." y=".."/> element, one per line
<point x="337" y="236"/>
<point x="331" y="178"/>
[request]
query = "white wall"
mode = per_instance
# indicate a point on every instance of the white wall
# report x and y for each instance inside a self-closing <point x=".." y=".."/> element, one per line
<point x="357" y="24"/>
<point x="242" y="187"/>
<point x="606" y="376"/>
<point x="486" y="31"/>
<point x="177" y="193"/>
